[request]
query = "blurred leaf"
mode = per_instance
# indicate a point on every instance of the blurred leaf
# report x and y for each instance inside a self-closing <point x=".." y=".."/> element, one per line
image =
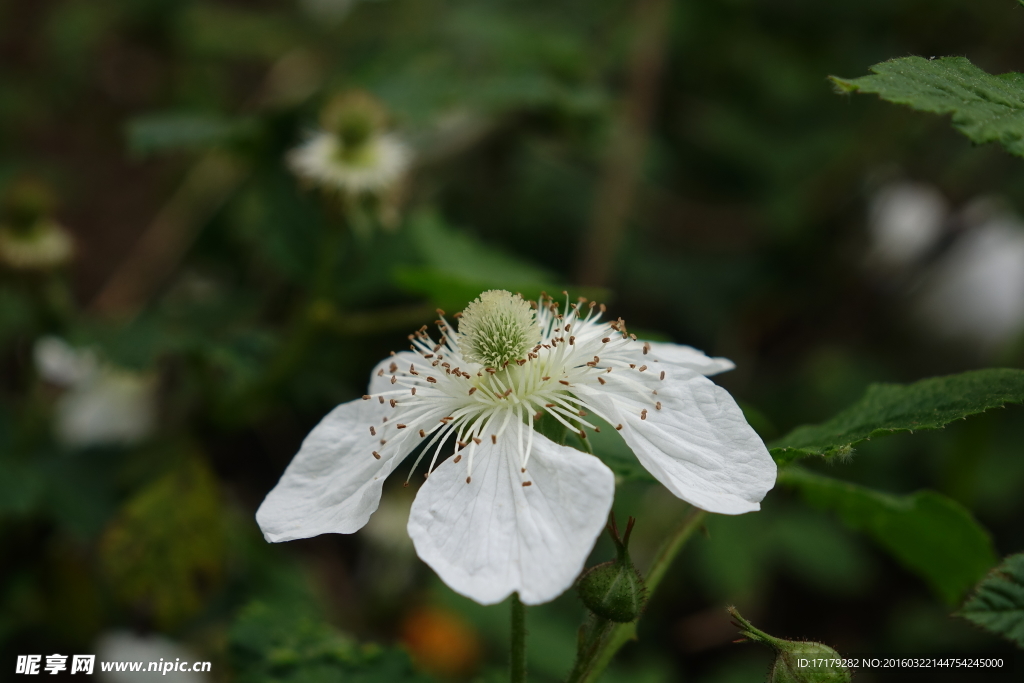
<point x="887" y="408"/>
<point x="164" y="551"/>
<point x="15" y="313"/>
<point x="235" y="33"/>
<point x="985" y="108"/>
<point x="998" y="602"/>
<point x="277" y="643"/>
<point x="931" y="535"/>
<point x="458" y="268"/>
<point x="171" y="131"/>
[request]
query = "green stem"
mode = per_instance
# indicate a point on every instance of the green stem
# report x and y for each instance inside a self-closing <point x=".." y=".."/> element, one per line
<point x="517" y="664"/>
<point x="613" y="638"/>
<point x="589" y="648"/>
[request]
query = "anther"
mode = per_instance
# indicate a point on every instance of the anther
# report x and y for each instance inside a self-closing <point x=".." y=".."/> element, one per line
<point x="544" y="379"/>
<point x="602" y="380"/>
<point x="606" y="340"/>
<point x="582" y="413"/>
<point x="394" y="379"/>
<point x="527" y="483"/>
<point x="522" y="469"/>
<point x="633" y="337"/>
<point x="657" y="406"/>
<point x="380" y="373"/>
<point x="572" y="340"/>
<point x="423" y="434"/>
<point x="597" y="429"/>
<point x="643" y="414"/>
<point x="399" y="426"/>
<point x="647" y="347"/>
<point x="381" y="398"/>
<point x="469" y="479"/>
<point x="632" y="366"/>
<point x="562" y="381"/>
<point x="457" y="457"/>
<point x="662" y="374"/>
<point x="373" y="432"/>
<point x="367" y="397"/>
<point x="476" y="441"/>
<point x="431" y="380"/>
<point x="494" y="438"/>
<point x="412" y="370"/>
<point x="472" y="390"/>
<point x="383" y="442"/>
<point x="448" y="419"/>
<point x="414" y="391"/>
<point x="583" y="434"/>
<point x="618" y="427"/>
<point x="393" y="367"/>
<point x="376" y="455"/>
<point x="642" y="368"/>
<point x="393" y="403"/>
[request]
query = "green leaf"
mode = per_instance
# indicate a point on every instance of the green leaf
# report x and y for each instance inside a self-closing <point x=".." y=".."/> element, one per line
<point x="985" y="108"/>
<point x="998" y="602"/>
<point x="457" y="267"/>
<point x="279" y="643"/>
<point x="154" y="133"/>
<point x="889" y="408"/>
<point x="165" y="551"/>
<point x="929" y="534"/>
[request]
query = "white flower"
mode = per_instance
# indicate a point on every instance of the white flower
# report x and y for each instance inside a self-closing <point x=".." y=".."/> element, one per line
<point x="380" y="163"/>
<point x="976" y="292"/>
<point x="906" y="219"/>
<point x="45" y="244"/>
<point x="513" y="510"/>
<point x="102" y="404"/>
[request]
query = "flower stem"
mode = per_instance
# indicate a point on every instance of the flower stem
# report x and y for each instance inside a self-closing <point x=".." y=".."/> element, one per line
<point x="593" y="659"/>
<point x="517" y="664"/>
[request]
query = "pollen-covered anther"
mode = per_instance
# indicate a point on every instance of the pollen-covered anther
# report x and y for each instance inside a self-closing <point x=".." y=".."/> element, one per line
<point x="527" y="483"/>
<point x="457" y="458"/>
<point x="376" y="455"/>
<point x="643" y="414"/>
<point x="373" y="432"/>
<point x="642" y="368"/>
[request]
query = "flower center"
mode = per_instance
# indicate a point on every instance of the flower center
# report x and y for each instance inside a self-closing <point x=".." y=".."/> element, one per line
<point x="497" y="328"/>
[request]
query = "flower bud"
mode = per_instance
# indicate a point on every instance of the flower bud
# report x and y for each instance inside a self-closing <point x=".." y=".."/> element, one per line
<point x="614" y="590"/>
<point x="797" y="661"/>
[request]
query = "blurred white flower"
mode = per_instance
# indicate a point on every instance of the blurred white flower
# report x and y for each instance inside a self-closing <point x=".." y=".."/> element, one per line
<point x="102" y="404"/>
<point x="42" y="245"/>
<point x="975" y="293"/>
<point x="381" y="163"/>
<point x="905" y="220"/>
<point x="124" y="646"/>
<point x="352" y="152"/>
<point x="514" y="511"/>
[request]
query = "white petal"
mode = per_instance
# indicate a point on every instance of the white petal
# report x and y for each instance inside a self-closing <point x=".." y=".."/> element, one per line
<point x="688" y="357"/>
<point x="402" y="359"/>
<point x="494" y="536"/>
<point x="698" y="444"/>
<point x="333" y="484"/>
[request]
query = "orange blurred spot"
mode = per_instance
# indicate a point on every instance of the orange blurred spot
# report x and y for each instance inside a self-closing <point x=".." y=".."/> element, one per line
<point x="441" y="642"/>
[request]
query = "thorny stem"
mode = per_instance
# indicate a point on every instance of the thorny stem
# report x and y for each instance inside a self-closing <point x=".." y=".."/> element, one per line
<point x="592" y="660"/>
<point x="517" y="661"/>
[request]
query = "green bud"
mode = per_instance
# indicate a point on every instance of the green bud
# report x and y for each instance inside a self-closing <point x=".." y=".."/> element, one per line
<point x="356" y="118"/>
<point x="797" y="661"/>
<point x="614" y="590"/>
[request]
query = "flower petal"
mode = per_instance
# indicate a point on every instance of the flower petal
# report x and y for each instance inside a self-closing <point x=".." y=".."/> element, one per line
<point x="698" y="444"/>
<point x="493" y="536"/>
<point x="689" y="358"/>
<point x="333" y="484"/>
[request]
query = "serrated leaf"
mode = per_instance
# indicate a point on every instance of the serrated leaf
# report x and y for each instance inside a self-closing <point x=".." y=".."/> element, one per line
<point x="997" y="604"/>
<point x="285" y="645"/>
<point x="888" y="408"/>
<point x="985" y="107"/>
<point x="931" y="535"/>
